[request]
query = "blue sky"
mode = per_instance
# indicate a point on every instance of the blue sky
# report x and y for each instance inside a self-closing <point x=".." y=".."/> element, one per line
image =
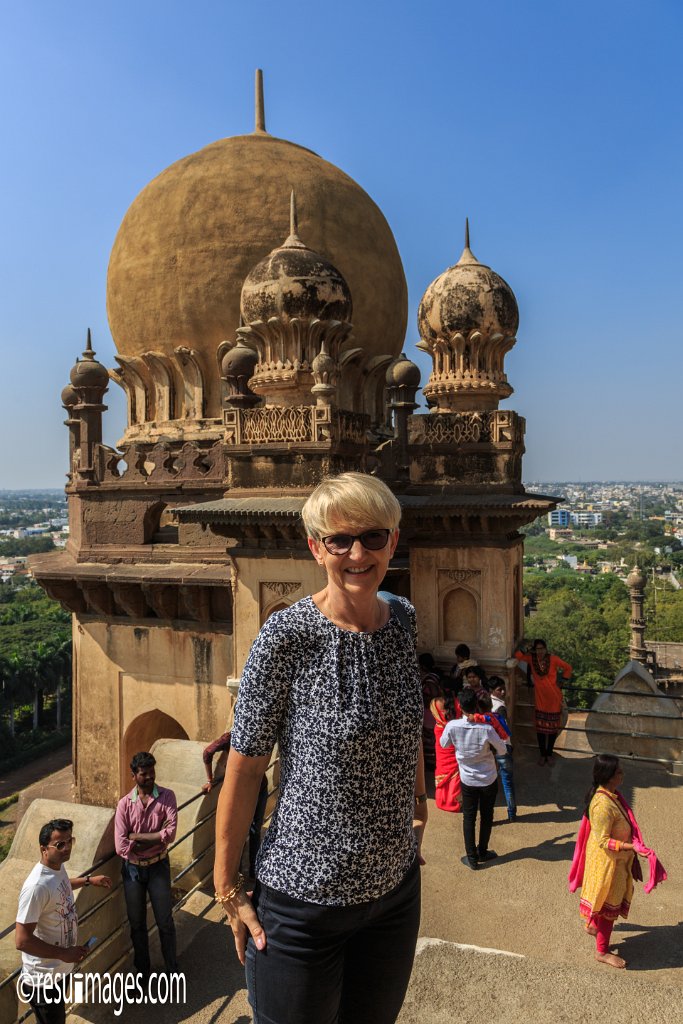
<point x="555" y="127"/>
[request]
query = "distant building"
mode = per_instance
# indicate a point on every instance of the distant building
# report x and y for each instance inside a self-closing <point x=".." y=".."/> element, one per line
<point x="559" y="517"/>
<point x="584" y="520"/>
<point x="555" y="533"/>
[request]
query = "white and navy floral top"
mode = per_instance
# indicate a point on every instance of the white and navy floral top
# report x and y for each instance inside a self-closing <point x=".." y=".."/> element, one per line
<point x="346" y="710"/>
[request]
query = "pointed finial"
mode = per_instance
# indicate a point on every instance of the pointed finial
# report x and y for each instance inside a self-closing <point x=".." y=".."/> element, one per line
<point x="260" y="109"/>
<point x="293" y="241"/>
<point x="467" y="254"/>
<point x="88" y="353"/>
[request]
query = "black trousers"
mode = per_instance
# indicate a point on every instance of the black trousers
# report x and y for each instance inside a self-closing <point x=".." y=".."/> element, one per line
<point x="333" y="965"/>
<point x="482" y="799"/>
<point x="546" y="743"/>
<point x="52" y="1012"/>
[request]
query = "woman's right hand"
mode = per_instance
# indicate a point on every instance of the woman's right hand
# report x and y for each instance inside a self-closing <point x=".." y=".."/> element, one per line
<point x="244" y="922"/>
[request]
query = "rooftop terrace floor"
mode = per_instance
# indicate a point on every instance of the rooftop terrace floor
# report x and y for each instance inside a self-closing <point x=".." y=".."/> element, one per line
<point x="518" y="904"/>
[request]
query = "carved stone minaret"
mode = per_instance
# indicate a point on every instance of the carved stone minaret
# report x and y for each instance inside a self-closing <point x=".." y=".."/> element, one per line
<point x="90" y="381"/>
<point x="635" y="582"/>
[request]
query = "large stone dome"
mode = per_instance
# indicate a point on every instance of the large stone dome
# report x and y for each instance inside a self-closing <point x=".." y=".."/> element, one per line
<point x="191" y="237"/>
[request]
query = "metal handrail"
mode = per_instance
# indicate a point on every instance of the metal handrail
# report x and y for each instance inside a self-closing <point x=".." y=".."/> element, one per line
<point x="595" y="753"/>
<point x="588" y="711"/>
<point x="111" y="893"/>
<point x="570" y="688"/>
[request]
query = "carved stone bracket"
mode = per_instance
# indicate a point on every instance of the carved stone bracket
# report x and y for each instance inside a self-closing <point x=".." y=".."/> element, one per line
<point x="99" y="598"/>
<point x="68" y="593"/>
<point x="162" y="599"/>
<point x="130" y="599"/>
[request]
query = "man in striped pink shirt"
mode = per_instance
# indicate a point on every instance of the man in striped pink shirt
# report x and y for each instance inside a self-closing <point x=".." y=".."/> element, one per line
<point x="145" y="825"/>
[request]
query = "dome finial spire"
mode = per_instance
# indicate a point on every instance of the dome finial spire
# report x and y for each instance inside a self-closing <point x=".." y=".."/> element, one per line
<point x="260" y="107"/>
<point x="293" y="241"/>
<point x="467" y="254"/>
<point x="88" y="351"/>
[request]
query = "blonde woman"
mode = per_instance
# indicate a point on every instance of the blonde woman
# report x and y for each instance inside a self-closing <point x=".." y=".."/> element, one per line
<point x="329" y="937"/>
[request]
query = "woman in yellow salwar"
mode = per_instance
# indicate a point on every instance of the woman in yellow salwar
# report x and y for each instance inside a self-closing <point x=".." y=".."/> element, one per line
<point x="607" y="887"/>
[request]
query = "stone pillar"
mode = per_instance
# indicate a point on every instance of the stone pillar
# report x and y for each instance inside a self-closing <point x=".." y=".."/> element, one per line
<point x="69" y="400"/>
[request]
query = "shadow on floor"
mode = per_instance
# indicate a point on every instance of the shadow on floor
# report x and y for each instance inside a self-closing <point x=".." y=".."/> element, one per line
<point x="555" y="849"/>
<point x="652" y="948"/>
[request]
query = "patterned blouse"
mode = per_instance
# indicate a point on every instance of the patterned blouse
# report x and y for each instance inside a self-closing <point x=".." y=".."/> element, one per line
<point x="346" y="711"/>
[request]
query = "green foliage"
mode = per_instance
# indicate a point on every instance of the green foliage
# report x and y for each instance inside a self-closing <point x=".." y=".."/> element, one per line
<point x="665" y="615"/>
<point x="14" y="546"/>
<point x="22" y="600"/>
<point x="21" y="638"/>
<point x="584" y="620"/>
<point x="29" y="752"/>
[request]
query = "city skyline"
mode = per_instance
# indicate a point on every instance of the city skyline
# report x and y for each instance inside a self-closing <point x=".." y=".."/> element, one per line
<point x="532" y="123"/>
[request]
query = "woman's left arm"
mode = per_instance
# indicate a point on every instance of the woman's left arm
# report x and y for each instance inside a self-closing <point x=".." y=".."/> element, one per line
<point x="420" y="811"/>
<point x="566" y="669"/>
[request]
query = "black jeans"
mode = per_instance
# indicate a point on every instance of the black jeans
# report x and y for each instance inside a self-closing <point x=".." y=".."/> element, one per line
<point x="155" y="880"/>
<point x="333" y="965"/>
<point x="52" y="1012"/>
<point x="482" y="799"/>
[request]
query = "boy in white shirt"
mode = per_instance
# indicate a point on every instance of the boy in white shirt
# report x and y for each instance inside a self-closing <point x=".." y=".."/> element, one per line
<point x="475" y="744"/>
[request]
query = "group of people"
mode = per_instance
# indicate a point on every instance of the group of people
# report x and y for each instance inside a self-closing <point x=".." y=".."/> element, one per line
<point x="472" y="747"/>
<point x="328" y="933"/>
<point x="47" y="922"/>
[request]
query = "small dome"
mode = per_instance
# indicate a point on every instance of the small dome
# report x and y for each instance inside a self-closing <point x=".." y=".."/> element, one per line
<point x="69" y="396"/>
<point x="405" y="373"/>
<point x="293" y="281"/>
<point x="88" y="372"/>
<point x="467" y="297"/>
<point x="239" y="361"/>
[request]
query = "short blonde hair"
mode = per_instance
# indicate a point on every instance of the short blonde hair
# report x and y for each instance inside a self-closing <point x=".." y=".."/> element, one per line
<point x="356" y="499"/>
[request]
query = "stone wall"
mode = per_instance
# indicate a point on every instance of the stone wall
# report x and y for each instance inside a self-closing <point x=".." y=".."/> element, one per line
<point x="134" y="685"/>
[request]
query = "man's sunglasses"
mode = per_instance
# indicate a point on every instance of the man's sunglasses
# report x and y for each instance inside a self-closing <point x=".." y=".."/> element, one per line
<point x="341" y="543"/>
<point x="62" y="844"/>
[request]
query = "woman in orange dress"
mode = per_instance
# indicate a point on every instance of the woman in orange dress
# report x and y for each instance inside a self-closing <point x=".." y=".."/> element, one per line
<point x="447" y="792"/>
<point x="545" y="669"/>
<point x="607" y="887"/>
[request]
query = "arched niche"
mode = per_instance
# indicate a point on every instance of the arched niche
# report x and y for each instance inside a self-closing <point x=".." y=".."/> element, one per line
<point x="142" y="732"/>
<point x="277" y="607"/>
<point x="460" y="619"/>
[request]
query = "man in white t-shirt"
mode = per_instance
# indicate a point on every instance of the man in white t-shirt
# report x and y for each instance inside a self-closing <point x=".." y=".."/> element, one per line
<point x="475" y="743"/>
<point x="47" y="923"/>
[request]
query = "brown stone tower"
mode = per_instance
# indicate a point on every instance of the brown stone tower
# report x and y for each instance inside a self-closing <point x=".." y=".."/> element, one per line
<point x="252" y="367"/>
<point x="635" y="581"/>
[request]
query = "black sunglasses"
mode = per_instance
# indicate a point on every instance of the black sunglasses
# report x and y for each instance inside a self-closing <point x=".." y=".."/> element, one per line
<point x="341" y="543"/>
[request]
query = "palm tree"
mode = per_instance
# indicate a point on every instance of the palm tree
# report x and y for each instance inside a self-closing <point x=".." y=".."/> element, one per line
<point x="15" y="683"/>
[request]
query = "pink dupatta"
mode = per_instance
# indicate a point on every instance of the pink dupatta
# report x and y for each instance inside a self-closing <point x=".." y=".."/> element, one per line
<point x="657" y="872"/>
